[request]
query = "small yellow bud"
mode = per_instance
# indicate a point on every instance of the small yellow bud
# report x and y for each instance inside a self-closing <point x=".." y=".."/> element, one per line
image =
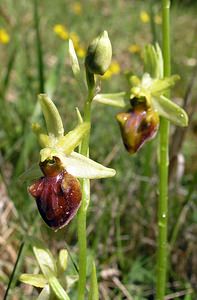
<point x="99" y="54"/>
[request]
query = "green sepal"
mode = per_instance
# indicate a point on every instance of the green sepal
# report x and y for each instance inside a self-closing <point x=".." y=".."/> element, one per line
<point x="37" y="280"/>
<point x="115" y="99"/>
<point x="52" y="117"/>
<point x="171" y="111"/>
<point x="159" y="86"/>
<point x="79" y="76"/>
<point x="153" y="61"/>
<point x="73" y="138"/>
<point x="73" y="58"/>
<point x="45" y="259"/>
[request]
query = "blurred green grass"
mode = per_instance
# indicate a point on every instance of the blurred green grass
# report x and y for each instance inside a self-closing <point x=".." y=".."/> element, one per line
<point x="122" y="215"/>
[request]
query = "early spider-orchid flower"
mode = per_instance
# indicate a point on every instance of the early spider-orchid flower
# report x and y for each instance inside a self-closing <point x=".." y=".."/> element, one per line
<point x="145" y="103"/>
<point x="58" y="192"/>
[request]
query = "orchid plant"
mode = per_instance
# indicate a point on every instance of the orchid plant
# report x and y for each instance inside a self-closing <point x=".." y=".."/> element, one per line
<point x="61" y="186"/>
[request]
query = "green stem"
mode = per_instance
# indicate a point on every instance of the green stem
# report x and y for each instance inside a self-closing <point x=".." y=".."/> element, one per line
<point x="85" y="200"/>
<point x="163" y="167"/>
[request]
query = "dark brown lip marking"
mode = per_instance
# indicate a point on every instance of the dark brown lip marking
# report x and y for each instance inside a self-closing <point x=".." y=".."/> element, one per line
<point x="138" y="125"/>
<point x="58" y="197"/>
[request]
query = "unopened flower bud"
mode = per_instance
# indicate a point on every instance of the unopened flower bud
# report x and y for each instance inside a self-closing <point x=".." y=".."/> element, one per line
<point x="138" y="125"/>
<point x="57" y="194"/>
<point x="99" y="54"/>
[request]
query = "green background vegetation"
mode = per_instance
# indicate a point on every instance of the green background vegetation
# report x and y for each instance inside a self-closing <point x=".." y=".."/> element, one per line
<point x="122" y="216"/>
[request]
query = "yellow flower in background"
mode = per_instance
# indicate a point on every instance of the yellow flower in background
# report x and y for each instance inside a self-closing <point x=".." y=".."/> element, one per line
<point x="134" y="48"/>
<point x="61" y="31"/>
<point x="114" y="69"/>
<point x="4" y="36"/>
<point x="158" y="20"/>
<point x="144" y="17"/>
<point x="76" y="8"/>
<point x="81" y="52"/>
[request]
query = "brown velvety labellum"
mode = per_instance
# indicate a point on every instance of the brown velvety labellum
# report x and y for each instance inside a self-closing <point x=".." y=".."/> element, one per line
<point x="58" y="198"/>
<point x="138" y="125"/>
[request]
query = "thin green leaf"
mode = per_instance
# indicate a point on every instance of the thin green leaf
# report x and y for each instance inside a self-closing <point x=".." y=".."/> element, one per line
<point x="37" y="280"/>
<point x="45" y="259"/>
<point x="45" y="294"/>
<point x="83" y="167"/>
<point x="93" y="292"/>
<point x="115" y="99"/>
<point x="51" y="115"/>
<point x="171" y="111"/>
<point x="73" y="138"/>
<point x="74" y="59"/>
<point x="57" y="288"/>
